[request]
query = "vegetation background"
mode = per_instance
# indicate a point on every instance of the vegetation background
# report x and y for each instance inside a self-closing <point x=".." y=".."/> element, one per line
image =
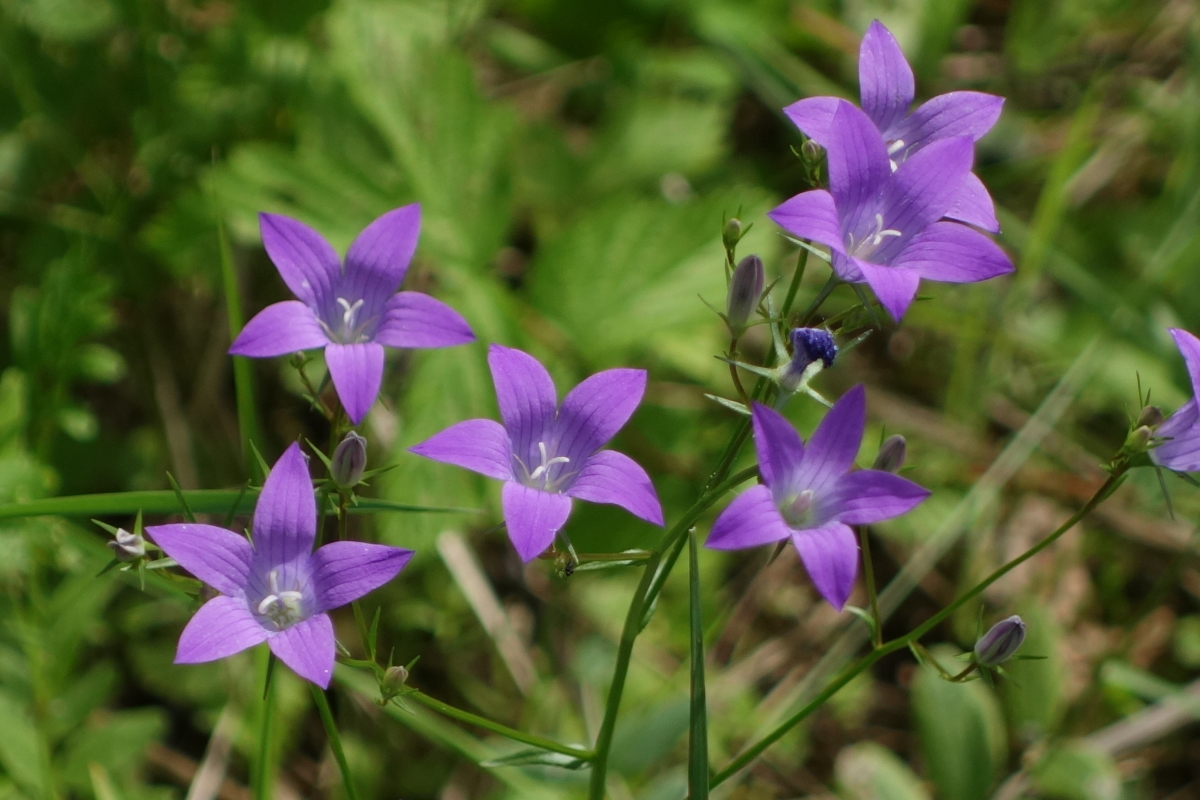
<point x="575" y="161"/>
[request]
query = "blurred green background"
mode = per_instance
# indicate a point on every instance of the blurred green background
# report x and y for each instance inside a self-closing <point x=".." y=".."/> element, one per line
<point x="575" y="161"/>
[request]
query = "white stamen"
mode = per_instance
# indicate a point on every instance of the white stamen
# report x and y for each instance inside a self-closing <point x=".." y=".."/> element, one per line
<point x="880" y="232"/>
<point x="283" y="608"/>
<point x="546" y="463"/>
<point x="895" y="147"/>
<point x="797" y="510"/>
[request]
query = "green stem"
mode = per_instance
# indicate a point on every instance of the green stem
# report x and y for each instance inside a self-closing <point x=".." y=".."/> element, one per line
<point x="797" y="277"/>
<point x="335" y="740"/>
<point x="853" y="670"/>
<point x="261" y="777"/>
<point x="817" y="301"/>
<point x="652" y="581"/>
<point x="496" y="727"/>
<point x="698" y="738"/>
<point x="359" y="618"/>
<point x="869" y="576"/>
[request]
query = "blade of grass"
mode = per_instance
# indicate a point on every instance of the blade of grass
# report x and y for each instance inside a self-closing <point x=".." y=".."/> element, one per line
<point x="698" y="742"/>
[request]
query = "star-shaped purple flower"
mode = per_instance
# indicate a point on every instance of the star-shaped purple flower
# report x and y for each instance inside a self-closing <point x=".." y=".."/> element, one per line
<point x="547" y="454"/>
<point x="885" y="227"/>
<point x="809" y="495"/>
<point x="887" y="88"/>
<point x="277" y="590"/>
<point x="352" y="309"/>
<point x="1181" y="430"/>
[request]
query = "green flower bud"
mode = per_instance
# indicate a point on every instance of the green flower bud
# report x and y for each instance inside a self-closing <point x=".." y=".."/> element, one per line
<point x="1139" y="439"/>
<point x="732" y="233"/>
<point x="393" y="681"/>
<point x="811" y="151"/>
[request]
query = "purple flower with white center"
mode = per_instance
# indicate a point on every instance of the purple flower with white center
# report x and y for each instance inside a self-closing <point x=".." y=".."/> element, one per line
<point x="809" y="495"/>
<point x="1181" y="431"/>
<point x="886" y="84"/>
<point x="277" y="590"/>
<point x="548" y="453"/>
<point x="885" y="227"/>
<point x="350" y="309"/>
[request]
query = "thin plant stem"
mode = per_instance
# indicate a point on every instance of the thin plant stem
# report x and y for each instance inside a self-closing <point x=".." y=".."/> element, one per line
<point x="343" y="534"/>
<point x="335" y="739"/>
<point x="733" y="372"/>
<point x="864" y="540"/>
<point x="495" y="727"/>
<point x="853" y="670"/>
<point x="642" y="599"/>
<point x="261" y="777"/>
<point x="797" y="277"/>
<point x="822" y="296"/>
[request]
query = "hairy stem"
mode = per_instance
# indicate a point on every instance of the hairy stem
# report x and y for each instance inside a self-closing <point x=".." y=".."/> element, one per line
<point x="852" y="670"/>
<point x="496" y="727"/>
<point x="335" y="739"/>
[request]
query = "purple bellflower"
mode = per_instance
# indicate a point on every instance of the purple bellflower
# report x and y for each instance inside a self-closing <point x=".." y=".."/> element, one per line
<point x="277" y="590"/>
<point x="887" y="88"/>
<point x="548" y="453"/>
<point x="885" y="227"/>
<point x="350" y="309"/>
<point x="1181" y="431"/>
<point x="809" y="495"/>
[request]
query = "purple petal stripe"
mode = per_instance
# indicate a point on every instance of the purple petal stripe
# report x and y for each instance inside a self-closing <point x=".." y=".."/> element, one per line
<point x="345" y="571"/>
<point x="814" y="117"/>
<point x="285" y="519"/>
<point x="615" y="478"/>
<point x="223" y="626"/>
<point x="884" y="78"/>
<point x="378" y="257"/>
<point x="813" y="216"/>
<point x="308" y="648"/>
<point x="921" y="191"/>
<point x="830" y="554"/>
<point x="1181" y="451"/>
<point x="970" y="114"/>
<point x="1189" y="348"/>
<point x="306" y="262"/>
<point x="480" y="445"/>
<point x="752" y="519"/>
<point x="278" y="330"/>
<point x="868" y="495"/>
<point x="779" y="448"/>
<point x="894" y="287"/>
<point x="858" y="166"/>
<point x="834" y="444"/>
<point x="357" y="372"/>
<point x="526" y="397"/>
<point x="596" y="409"/>
<point x="953" y="253"/>
<point x="412" y="319"/>
<point x="533" y="517"/>
<point x="974" y="205"/>
<point x="220" y="558"/>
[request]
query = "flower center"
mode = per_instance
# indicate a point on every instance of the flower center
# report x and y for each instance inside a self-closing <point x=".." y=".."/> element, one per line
<point x="870" y="243"/>
<point x="539" y="477"/>
<point x="797" y="509"/>
<point x="350" y="330"/>
<point x="282" y="608"/>
<point x="895" y="147"/>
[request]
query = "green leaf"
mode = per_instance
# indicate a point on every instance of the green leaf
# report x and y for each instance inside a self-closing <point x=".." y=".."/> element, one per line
<point x="698" y="740"/>
<point x="535" y="757"/>
<point x="1077" y="772"/>
<point x="961" y="732"/>
<point x="869" y="771"/>
<point x="21" y="752"/>
<point x="643" y="739"/>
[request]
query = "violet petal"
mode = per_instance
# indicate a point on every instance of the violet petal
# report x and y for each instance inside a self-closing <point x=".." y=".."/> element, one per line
<point x="345" y="571"/>
<point x="480" y="445"/>
<point x="526" y="397"/>
<point x="834" y="445"/>
<point x="307" y="263"/>
<point x="779" y="448"/>
<point x="533" y="517"/>
<point x="830" y="554"/>
<point x="357" y="372"/>
<point x="949" y="115"/>
<point x="922" y="190"/>
<point x="953" y="253"/>
<point x="868" y="495"/>
<point x="752" y="519"/>
<point x="1181" y="451"/>
<point x="814" y="116"/>
<point x="615" y="478"/>
<point x="223" y="626"/>
<point x="973" y="205"/>
<point x="220" y="558"/>
<point x="412" y="319"/>
<point x="379" y="256"/>
<point x="285" y="518"/>
<point x="596" y="409"/>
<point x="308" y="648"/>
<point x="813" y="216"/>
<point x="278" y="330"/>
<point x="894" y="287"/>
<point x="884" y="77"/>
<point x="858" y="166"/>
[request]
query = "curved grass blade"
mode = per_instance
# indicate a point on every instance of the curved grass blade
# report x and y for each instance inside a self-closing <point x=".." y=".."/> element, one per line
<point x="698" y="741"/>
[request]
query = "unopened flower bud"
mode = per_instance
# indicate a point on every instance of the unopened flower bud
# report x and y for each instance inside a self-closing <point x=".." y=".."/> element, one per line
<point x="1139" y="439"/>
<point x="891" y="454"/>
<point x="349" y="460"/>
<point x="808" y="346"/>
<point x="394" y="679"/>
<point x="1000" y="642"/>
<point x="745" y="290"/>
<point x="811" y="151"/>
<point x="731" y="234"/>
<point x="1151" y="417"/>
<point x="127" y="546"/>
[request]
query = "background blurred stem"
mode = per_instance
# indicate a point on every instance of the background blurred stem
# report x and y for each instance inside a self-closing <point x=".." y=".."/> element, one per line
<point x="335" y="740"/>
<point x="869" y="578"/>
<point x="260" y="770"/>
<point x="496" y="728"/>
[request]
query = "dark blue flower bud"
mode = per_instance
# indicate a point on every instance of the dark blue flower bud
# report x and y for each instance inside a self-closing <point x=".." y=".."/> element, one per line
<point x="891" y="454"/>
<point x="808" y="346"/>
<point x="349" y="460"/>
<point x="731" y="234"/>
<point x="1001" y="642"/>
<point x="127" y="546"/>
<point x="745" y="290"/>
